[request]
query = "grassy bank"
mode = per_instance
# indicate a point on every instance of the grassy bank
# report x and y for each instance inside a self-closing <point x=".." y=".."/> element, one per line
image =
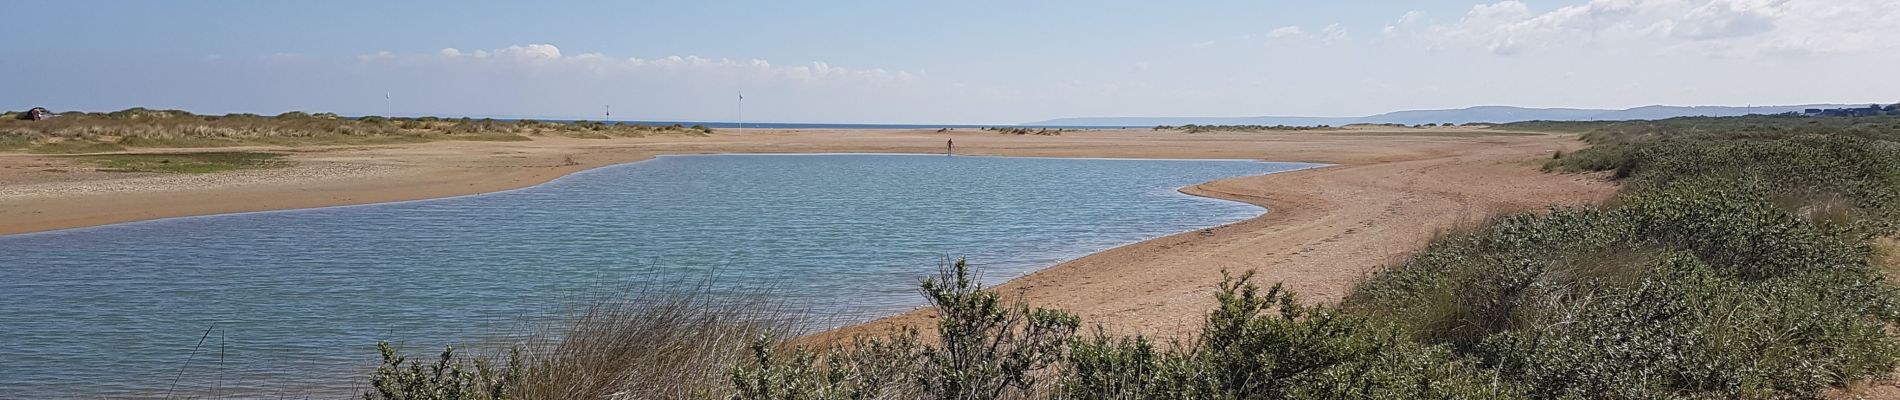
<point x="184" y="163"/>
<point x="78" y="132"/>
<point x="1738" y="261"/>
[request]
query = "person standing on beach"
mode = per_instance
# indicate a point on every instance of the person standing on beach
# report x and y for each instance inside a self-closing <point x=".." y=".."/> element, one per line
<point x="949" y="147"/>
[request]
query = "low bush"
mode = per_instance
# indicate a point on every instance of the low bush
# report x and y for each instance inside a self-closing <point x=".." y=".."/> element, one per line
<point x="985" y="348"/>
<point x="1735" y="263"/>
<point x="448" y="378"/>
<point x="1269" y="346"/>
<point x="1698" y="290"/>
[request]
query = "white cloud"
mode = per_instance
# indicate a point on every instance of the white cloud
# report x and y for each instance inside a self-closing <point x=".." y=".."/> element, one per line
<point x="546" y="80"/>
<point x="547" y="56"/>
<point x="1286" y="32"/>
<point x="1725" y="19"/>
<point x="380" y="55"/>
<point x="527" y="52"/>
<point x="1332" y="34"/>
<point x="1408" y="22"/>
<point x="1719" y="28"/>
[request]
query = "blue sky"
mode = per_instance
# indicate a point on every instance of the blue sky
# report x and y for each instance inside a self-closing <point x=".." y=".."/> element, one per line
<point x="943" y="62"/>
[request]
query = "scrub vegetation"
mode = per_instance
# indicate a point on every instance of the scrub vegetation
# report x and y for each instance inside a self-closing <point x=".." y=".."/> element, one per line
<point x="80" y="132"/>
<point x="184" y="162"/>
<point x="1738" y="261"/>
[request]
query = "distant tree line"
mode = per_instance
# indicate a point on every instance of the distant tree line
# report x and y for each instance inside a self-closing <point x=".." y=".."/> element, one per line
<point x="1025" y="131"/>
<point x="1871" y="110"/>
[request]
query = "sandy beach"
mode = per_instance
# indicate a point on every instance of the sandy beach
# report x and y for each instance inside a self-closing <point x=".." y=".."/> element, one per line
<point x="1389" y="191"/>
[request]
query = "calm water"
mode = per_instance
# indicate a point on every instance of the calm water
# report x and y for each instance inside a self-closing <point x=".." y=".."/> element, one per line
<point x="295" y="300"/>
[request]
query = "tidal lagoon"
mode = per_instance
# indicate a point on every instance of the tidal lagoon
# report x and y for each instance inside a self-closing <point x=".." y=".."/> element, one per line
<point x="296" y="300"/>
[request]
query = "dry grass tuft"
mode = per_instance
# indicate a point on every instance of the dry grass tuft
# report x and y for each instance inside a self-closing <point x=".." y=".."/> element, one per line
<point x="665" y="346"/>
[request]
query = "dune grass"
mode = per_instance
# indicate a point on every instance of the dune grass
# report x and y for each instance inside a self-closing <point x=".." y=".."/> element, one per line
<point x="184" y="163"/>
<point x="14" y="142"/>
<point x="79" y="132"/>
<point x="71" y="147"/>
<point x="641" y="345"/>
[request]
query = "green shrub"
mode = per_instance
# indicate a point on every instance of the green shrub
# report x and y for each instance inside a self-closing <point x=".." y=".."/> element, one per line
<point x="1269" y="346"/>
<point x="1733" y="264"/>
<point x="1599" y="158"/>
<point x="449" y="378"/>
<point x="1851" y="180"/>
<point x="868" y="368"/>
<point x="1705" y="288"/>
<point x="985" y="349"/>
<point x="1687" y="331"/>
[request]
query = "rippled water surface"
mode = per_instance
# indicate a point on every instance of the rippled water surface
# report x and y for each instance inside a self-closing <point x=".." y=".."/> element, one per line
<point x="296" y="300"/>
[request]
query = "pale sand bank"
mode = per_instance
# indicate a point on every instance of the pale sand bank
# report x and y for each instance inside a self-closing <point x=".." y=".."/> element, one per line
<point x="1391" y="190"/>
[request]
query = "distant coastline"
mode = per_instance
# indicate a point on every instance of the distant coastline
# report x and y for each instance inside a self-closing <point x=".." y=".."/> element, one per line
<point x="1479" y="114"/>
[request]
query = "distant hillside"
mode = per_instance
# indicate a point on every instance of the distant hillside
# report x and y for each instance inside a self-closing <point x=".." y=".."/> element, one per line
<point x="1498" y="114"/>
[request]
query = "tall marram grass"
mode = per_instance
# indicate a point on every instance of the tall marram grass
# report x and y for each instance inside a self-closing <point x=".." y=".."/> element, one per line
<point x="679" y="346"/>
<point x="652" y="345"/>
